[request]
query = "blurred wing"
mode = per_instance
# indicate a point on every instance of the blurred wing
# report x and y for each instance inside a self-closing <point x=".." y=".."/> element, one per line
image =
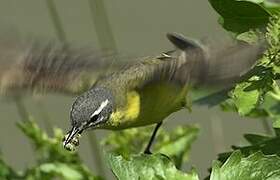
<point x="216" y="63"/>
<point x="228" y="62"/>
<point x="193" y="63"/>
<point x="51" y="67"/>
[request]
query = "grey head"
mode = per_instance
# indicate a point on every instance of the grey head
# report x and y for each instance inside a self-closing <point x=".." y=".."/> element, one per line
<point x="90" y="110"/>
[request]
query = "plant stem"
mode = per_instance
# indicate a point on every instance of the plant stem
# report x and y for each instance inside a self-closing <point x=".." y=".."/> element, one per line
<point x="102" y="26"/>
<point x="61" y="35"/>
<point x="98" y="160"/>
<point x="217" y="134"/>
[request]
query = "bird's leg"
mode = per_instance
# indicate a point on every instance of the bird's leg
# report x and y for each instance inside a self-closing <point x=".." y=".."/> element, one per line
<point x="147" y="150"/>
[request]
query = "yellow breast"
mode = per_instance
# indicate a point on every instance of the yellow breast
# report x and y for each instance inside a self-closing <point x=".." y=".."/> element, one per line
<point x="129" y="113"/>
<point x="148" y="105"/>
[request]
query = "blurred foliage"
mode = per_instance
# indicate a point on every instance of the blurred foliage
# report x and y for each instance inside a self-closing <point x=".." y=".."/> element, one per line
<point x="175" y="144"/>
<point x="52" y="160"/>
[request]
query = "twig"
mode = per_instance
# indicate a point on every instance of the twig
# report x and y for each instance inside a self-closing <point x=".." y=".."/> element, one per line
<point x="98" y="160"/>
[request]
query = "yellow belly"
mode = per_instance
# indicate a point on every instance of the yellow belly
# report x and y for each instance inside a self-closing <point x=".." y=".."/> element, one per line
<point x="149" y="105"/>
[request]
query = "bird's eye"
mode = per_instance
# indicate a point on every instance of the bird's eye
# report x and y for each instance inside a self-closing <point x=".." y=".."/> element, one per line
<point x="94" y="118"/>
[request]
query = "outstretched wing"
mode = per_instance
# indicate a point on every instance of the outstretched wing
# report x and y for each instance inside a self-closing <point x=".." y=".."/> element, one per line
<point x="50" y="67"/>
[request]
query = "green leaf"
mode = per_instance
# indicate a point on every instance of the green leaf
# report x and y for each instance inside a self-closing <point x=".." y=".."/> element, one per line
<point x="272" y="7"/>
<point x="266" y="144"/>
<point x="52" y="159"/>
<point x="48" y="149"/>
<point x="251" y="37"/>
<point x="176" y="144"/>
<point x="6" y="172"/>
<point x="240" y="16"/>
<point x="254" y="167"/>
<point x="271" y="105"/>
<point x="255" y="138"/>
<point x="245" y="101"/>
<point x="62" y="170"/>
<point x="255" y="1"/>
<point x="148" y="167"/>
<point x="4" y="169"/>
<point x="277" y="132"/>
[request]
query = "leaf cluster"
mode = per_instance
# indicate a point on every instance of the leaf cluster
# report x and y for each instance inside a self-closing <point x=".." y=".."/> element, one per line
<point x="52" y="160"/>
<point x="175" y="144"/>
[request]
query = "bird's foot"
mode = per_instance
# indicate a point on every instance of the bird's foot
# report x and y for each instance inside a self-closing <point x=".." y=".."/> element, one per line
<point x="147" y="151"/>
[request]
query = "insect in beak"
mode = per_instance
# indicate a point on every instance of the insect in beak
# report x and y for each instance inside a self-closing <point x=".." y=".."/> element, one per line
<point x="72" y="138"/>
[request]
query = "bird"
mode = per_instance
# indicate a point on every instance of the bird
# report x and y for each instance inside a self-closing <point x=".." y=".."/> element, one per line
<point x="138" y="93"/>
<point x="148" y="91"/>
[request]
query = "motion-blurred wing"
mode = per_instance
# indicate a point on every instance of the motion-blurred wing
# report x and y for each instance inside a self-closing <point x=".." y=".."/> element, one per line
<point x="216" y="63"/>
<point x="50" y="67"/>
<point x="193" y="63"/>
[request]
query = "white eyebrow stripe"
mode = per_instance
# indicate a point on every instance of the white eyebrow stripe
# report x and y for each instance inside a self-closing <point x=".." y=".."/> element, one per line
<point x="101" y="107"/>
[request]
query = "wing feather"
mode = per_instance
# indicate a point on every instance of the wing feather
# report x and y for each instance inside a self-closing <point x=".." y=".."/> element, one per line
<point x="61" y="68"/>
<point x="192" y="63"/>
<point x="51" y="67"/>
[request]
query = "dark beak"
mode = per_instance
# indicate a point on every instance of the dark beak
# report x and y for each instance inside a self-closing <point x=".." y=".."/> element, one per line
<point x="71" y="135"/>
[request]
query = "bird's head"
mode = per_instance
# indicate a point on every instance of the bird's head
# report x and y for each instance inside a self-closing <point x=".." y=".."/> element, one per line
<point x="90" y="110"/>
